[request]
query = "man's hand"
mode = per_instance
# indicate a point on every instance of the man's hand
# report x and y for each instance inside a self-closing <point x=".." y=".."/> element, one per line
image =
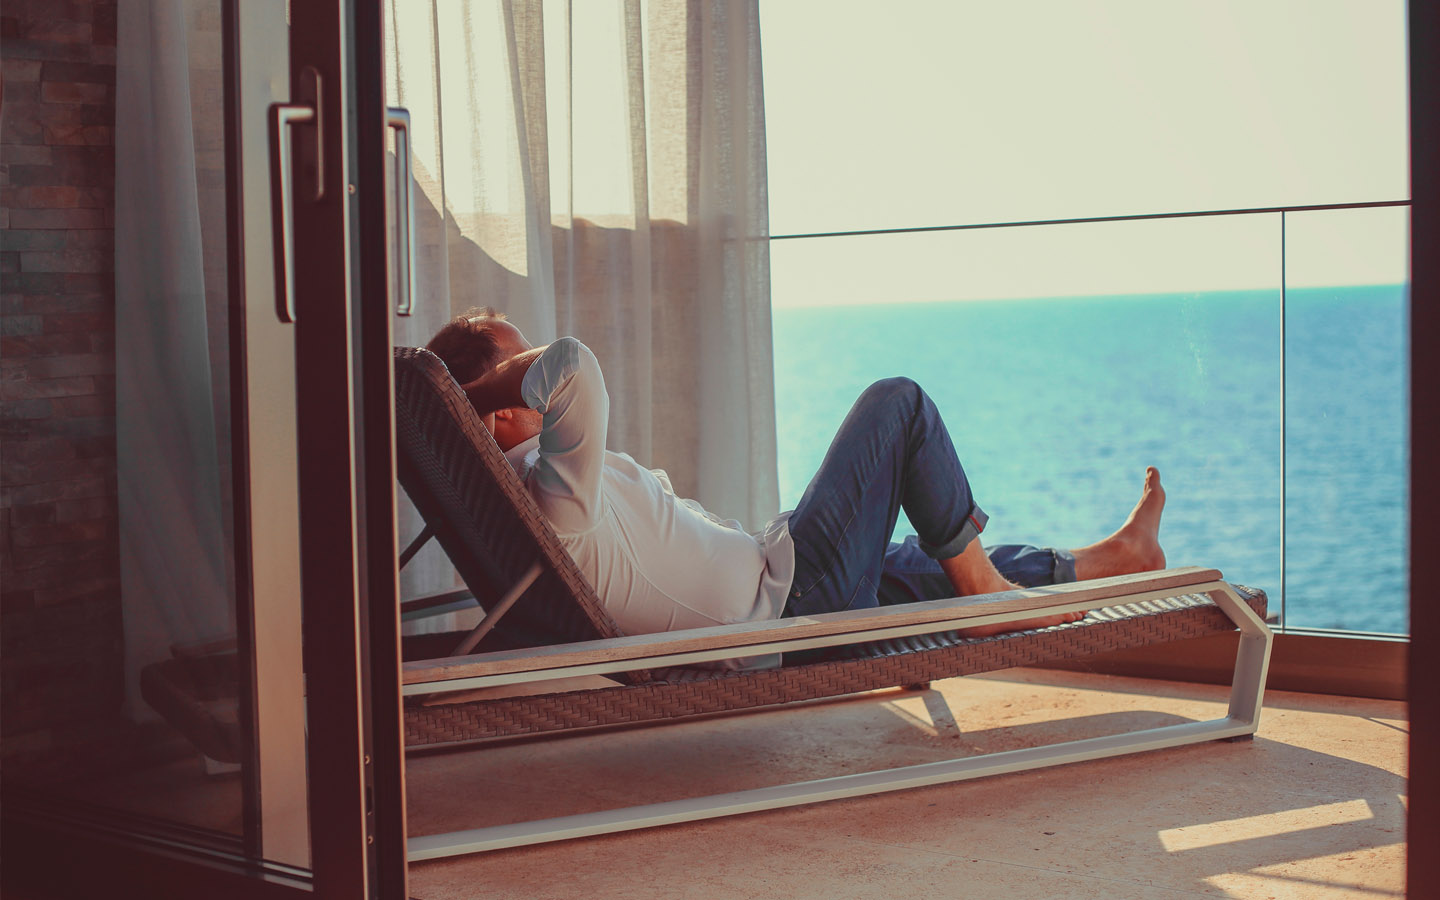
<point x="500" y="387"/>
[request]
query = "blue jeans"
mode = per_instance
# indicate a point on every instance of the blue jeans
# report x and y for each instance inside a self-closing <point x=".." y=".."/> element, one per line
<point x="893" y="452"/>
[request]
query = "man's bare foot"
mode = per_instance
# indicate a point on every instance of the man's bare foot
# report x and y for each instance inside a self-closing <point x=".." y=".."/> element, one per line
<point x="1135" y="547"/>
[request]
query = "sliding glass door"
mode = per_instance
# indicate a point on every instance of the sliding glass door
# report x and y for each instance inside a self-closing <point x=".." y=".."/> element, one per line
<point x="210" y="709"/>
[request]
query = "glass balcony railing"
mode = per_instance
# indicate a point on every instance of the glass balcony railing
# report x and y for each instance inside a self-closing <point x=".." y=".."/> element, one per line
<point x="1257" y="357"/>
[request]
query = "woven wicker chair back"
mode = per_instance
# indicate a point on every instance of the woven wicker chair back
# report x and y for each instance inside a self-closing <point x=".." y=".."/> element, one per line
<point x="482" y="514"/>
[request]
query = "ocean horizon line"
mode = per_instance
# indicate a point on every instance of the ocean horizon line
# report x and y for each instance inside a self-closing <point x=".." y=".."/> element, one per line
<point x="1275" y="289"/>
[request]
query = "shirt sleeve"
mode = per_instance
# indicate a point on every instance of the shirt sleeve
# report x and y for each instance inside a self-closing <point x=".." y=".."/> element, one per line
<point x="566" y="387"/>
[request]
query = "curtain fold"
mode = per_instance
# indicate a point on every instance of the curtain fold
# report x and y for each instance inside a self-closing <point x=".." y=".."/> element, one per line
<point x="594" y="169"/>
<point x="171" y="390"/>
<point x="598" y="169"/>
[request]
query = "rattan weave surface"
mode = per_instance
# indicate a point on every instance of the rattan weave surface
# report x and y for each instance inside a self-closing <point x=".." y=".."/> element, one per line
<point x="482" y="514"/>
<point x="858" y="668"/>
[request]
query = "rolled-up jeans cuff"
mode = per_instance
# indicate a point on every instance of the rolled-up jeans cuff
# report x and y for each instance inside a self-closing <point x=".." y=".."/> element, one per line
<point x="1064" y="567"/>
<point x="974" y="524"/>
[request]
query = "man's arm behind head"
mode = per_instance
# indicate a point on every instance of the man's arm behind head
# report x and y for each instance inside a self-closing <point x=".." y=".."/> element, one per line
<point x="499" y="388"/>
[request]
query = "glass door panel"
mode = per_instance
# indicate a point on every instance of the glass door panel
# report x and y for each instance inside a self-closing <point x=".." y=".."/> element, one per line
<point x="143" y="717"/>
<point x="190" y="556"/>
<point x="157" y="674"/>
<point x="161" y="555"/>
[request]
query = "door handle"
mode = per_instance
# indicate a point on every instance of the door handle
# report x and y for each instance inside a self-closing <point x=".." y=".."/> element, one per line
<point x="398" y="118"/>
<point x="282" y="191"/>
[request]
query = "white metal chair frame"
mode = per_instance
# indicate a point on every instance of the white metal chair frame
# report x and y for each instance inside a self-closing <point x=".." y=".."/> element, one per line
<point x="676" y="649"/>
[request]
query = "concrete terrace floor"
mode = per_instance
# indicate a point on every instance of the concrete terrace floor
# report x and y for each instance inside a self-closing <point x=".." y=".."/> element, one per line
<point x="1313" y="808"/>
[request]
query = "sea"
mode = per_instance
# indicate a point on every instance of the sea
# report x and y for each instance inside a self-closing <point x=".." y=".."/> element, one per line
<point x="1281" y="436"/>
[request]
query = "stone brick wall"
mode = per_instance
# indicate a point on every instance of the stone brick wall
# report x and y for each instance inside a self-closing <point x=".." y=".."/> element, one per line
<point x="60" y="627"/>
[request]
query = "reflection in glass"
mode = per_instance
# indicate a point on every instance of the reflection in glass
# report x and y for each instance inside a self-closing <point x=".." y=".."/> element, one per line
<point x="130" y="701"/>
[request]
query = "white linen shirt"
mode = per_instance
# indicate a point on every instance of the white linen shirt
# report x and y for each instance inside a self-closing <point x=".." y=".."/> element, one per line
<point x="658" y="562"/>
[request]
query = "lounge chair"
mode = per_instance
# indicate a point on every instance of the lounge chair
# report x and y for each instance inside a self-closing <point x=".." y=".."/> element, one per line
<point x="544" y="622"/>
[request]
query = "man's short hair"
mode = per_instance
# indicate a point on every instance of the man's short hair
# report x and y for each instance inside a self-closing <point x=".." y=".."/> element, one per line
<point x="467" y="344"/>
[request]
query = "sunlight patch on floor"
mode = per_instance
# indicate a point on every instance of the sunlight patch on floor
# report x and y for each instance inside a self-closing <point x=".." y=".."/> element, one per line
<point x="928" y="712"/>
<point x="1348" y="875"/>
<point x="1270" y="824"/>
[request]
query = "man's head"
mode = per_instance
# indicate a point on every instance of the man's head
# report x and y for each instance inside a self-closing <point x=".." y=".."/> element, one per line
<point x="474" y="343"/>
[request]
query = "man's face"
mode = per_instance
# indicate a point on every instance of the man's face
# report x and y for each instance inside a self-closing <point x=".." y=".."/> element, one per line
<point x="511" y="426"/>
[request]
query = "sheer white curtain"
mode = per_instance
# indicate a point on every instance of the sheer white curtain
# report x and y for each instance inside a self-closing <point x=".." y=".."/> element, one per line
<point x="597" y="169"/>
<point x="171" y="339"/>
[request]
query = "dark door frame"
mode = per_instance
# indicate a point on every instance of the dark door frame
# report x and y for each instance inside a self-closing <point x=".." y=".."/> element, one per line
<point x="1424" y="693"/>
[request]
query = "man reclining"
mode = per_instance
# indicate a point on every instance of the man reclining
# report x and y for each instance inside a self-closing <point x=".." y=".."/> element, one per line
<point x="660" y="563"/>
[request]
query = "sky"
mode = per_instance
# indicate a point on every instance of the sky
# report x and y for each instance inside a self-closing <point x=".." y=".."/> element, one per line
<point x="920" y="113"/>
<point x="943" y="113"/>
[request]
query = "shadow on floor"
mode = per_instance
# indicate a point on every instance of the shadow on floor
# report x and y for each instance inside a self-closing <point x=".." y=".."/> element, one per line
<point x="1182" y="819"/>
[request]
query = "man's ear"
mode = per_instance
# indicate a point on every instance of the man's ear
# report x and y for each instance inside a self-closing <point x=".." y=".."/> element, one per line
<point x="504" y="413"/>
